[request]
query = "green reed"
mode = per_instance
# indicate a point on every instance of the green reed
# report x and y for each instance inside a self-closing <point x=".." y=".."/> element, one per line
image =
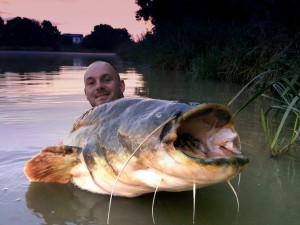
<point x="281" y="118"/>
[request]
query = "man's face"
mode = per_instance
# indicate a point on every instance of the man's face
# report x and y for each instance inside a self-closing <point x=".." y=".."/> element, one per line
<point x="102" y="84"/>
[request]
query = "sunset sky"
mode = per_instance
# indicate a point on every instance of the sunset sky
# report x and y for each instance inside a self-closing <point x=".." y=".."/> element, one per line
<point x="77" y="16"/>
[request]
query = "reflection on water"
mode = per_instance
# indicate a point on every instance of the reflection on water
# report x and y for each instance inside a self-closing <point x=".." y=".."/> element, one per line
<point x="68" y="203"/>
<point x="41" y="95"/>
<point x="25" y="62"/>
<point x="79" y="207"/>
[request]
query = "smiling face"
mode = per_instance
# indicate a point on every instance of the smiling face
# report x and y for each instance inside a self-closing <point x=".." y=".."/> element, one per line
<point x="102" y="84"/>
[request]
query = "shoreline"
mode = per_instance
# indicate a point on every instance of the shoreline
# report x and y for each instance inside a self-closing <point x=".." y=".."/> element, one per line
<point x="56" y="52"/>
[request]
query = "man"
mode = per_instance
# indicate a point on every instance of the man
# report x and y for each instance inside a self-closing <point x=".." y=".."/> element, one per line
<point x="102" y="83"/>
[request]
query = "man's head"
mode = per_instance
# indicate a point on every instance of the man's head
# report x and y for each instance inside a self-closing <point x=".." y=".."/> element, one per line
<point x="102" y="83"/>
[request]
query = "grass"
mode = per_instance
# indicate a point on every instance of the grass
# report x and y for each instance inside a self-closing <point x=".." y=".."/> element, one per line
<point x="281" y="118"/>
<point x="281" y="121"/>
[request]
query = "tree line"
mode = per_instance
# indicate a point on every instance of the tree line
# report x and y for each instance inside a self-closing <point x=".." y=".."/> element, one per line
<point x="170" y="15"/>
<point x="228" y="39"/>
<point x="24" y="33"/>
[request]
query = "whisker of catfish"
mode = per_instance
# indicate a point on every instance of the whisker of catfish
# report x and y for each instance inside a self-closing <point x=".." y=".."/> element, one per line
<point x="130" y="157"/>
<point x="194" y="202"/>
<point x="239" y="181"/>
<point x="152" y="209"/>
<point x="236" y="196"/>
<point x="240" y="147"/>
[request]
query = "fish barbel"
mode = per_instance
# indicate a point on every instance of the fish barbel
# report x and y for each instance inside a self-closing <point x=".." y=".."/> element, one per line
<point x="143" y="143"/>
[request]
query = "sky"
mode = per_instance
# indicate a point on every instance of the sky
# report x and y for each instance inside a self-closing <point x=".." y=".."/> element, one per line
<point x="78" y="16"/>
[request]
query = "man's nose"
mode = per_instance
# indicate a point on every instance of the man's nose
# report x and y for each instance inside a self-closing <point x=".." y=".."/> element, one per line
<point x="99" y="85"/>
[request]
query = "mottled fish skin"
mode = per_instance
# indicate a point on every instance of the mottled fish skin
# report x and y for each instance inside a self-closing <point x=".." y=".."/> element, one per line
<point x="195" y="146"/>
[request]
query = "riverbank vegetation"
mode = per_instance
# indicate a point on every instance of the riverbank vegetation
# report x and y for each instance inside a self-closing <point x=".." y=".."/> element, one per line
<point x="280" y="113"/>
<point x="30" y="35"/>
<point x="281" y="119"/>
<point x="236" y="41"/>
<point x="229" y="40"/>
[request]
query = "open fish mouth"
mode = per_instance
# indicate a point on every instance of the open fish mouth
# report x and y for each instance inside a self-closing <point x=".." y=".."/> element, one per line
<point x="206" y="135"/>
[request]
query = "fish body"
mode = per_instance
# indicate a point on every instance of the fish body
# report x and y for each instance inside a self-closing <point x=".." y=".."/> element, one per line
<point x="145" y="144"/>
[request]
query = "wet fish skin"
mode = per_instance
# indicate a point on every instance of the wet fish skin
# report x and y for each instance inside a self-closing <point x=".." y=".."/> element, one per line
<point x="102" y="140"/>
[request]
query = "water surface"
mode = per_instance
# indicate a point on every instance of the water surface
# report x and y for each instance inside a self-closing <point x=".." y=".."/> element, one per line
<point x="41" y="95"/>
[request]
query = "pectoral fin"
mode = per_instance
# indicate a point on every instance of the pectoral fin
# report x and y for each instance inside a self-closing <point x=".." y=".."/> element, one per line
<point x="53" y="164"/>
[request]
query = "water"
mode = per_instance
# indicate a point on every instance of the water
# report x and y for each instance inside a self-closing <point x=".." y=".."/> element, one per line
<point x="41" y="95"/>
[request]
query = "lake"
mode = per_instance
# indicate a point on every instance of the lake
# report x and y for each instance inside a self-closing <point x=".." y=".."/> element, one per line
<point x="41" y="95"/>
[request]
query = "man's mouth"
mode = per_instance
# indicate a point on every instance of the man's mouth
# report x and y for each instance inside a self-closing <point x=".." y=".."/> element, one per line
<point x="102" y="94"/>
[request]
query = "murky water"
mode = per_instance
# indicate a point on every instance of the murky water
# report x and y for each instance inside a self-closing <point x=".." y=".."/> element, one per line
<point x="41" y="94"/>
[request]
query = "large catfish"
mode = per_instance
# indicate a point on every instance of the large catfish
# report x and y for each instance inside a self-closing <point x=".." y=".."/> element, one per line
<point x="144" y="144"/>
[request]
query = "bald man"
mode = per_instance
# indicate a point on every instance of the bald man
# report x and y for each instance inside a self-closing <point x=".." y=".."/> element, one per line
<point x="102" y="83"/>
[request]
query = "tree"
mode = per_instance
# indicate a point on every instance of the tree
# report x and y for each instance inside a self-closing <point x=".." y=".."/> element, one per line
<point x="172" y="14"/>
<point x="22" y="32"/>
<point x="1" y="30"/>
<point x="106" y="38"/>
<point x="25" y="32"/>
<point x="51" y="33"/>
<point x="122" y="35"/>
<point x="1" y="22"/>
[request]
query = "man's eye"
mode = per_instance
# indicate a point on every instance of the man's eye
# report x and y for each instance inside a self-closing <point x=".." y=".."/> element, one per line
<point x="90" y="83"/>
<point x="106" y="80"/>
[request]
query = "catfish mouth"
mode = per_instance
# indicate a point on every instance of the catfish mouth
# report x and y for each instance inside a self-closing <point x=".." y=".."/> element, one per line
<point x="206" y="134"/>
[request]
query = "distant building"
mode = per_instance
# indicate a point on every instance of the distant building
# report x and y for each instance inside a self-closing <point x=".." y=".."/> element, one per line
<point x="75" y="38"/>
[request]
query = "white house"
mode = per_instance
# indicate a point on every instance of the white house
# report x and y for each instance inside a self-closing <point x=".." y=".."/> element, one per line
<point x="76" y="38"/>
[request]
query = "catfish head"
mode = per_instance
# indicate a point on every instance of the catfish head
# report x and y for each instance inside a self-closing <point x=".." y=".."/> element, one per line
<point x="202" y="146"/>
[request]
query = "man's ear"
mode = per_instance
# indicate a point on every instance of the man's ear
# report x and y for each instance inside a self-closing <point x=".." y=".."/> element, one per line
<point x="122" y="86"/>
